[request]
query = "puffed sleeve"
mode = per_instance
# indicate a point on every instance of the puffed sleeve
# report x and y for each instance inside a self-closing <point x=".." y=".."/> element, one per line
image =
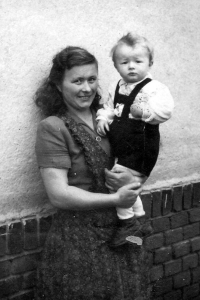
<point x="160" y="100"/>
<point x="51" y="147"/>
<point x="107" y="112"/>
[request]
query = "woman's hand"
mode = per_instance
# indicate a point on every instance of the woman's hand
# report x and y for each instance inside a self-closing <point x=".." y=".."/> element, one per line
<point x="127" y="195"/>
<point x="120" y="177"/>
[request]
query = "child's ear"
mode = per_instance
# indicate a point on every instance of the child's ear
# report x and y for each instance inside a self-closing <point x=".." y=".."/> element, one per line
<point x="151" y="63"/>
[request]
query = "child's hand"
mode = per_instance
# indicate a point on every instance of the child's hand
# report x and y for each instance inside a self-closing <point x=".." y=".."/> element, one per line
<point x="136" y="111"/>
<point x="102" y="126"/>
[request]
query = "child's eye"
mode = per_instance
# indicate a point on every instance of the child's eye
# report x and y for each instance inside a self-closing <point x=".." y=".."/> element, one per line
<point x="124" y="63"/>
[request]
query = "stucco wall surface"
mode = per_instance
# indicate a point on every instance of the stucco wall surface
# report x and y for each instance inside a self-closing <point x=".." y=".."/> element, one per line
<point x="31" y="32"/>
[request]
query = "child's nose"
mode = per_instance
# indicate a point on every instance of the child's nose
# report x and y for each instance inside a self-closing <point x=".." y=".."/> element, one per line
<point x="131" y="65"/>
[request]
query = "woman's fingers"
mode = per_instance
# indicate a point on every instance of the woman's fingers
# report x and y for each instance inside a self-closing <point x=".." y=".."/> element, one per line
<point x="118" y="179"/>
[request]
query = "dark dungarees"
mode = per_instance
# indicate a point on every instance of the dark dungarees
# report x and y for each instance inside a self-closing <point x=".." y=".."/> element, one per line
<point x="134" y="142"/>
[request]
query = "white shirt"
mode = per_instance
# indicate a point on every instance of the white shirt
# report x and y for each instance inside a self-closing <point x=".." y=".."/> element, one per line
<point x="154" y="99"/>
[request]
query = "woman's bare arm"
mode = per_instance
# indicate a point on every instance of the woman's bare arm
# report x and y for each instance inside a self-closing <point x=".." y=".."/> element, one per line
<point x="64" y="196"/>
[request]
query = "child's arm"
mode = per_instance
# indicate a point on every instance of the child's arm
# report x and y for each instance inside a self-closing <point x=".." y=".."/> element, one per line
<point x="156" y="104"/>
<point x="102" y="127"/>
<point x="106" y="114"/>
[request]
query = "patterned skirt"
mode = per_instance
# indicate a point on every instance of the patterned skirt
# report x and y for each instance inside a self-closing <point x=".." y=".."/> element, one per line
<point x="78" y="264"/>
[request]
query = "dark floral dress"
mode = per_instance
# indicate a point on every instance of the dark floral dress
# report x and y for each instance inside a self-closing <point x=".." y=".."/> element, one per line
<point x="77" y="262"/>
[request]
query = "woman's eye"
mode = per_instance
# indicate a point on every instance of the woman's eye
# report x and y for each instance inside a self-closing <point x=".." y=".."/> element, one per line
<point x="91" y="80"/>
<point x="77" y="81"/>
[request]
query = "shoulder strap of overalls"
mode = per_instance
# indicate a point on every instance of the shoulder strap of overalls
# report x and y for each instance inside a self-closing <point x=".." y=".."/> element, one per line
<point x="130" y="99"/>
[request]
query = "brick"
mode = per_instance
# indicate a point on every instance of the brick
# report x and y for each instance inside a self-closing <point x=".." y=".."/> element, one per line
<point x="163" y="254"/>
<point x="2" y="240"/>
<point x="15" y="238"/>
<point x="174" y="295"/>
<point x="161" y="224"/>
<point x="194" y="215"/>
<point x="29" y="280"/>
<point x="150" y="258"/>
<point x="27" y="295"/>
<point x="10" y="285"/>
<point x="189" y="292"/>
<point x="172" y="267"/>
<point x="5" y="267"/>
<point x="30" y="234"/>
<point x="182" y="279"/>
<point x="147" y="203"/>
<point x="187" y="196"/>
<point x="173" y="236"/>
<point x="195" y="243"/>
<point x="24" y="263"/>
<point x="179" y="219"/>
<point x="190" y="231"/>
<point x="156" y="273"/>
<point x="181" y="249"/>
<point x="177" y="198"/>
<point x="156" y="204"/>
<point x="166" y="202"/>
<point x="190" y="261"/>
<point x="154" y="241"/>
<point x="196" y="275"/>
<point x="196" y="194"/>
<point x="44" y="226"/>
<point x="162" y="286"/>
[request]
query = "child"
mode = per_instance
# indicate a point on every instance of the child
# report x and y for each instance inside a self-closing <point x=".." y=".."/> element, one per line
<point x="136" y="106"/>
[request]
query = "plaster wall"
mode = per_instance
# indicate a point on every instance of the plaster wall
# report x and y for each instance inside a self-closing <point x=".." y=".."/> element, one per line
<point x="31" y="32"/>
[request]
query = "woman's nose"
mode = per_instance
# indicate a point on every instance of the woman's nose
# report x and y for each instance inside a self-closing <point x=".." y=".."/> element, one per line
<point x="86" y="87"/>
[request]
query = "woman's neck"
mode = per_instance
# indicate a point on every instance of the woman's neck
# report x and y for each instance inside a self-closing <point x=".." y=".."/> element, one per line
<point x="84" y="115"/>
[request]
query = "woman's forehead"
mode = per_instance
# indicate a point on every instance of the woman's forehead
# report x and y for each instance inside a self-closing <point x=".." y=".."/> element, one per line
<point x="82" y="71"/>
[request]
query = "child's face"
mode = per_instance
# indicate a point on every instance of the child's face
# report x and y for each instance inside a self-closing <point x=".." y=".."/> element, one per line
<point x="132" y="63"/>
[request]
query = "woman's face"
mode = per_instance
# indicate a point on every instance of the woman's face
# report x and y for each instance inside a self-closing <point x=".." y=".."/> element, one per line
<point x="79" y="87"/>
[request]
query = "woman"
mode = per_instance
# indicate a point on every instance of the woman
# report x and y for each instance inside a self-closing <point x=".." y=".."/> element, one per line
<point x="77" y="261"/>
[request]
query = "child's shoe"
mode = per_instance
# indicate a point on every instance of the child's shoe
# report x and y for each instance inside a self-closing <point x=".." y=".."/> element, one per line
<point x="128" y="228"/>
<point x="146" y="227"/>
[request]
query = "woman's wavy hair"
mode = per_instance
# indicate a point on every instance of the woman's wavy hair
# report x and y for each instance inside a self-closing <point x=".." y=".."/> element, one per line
<point x="48" y="98"/>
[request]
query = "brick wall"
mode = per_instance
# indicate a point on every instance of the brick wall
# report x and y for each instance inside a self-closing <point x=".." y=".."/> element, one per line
<point x="20" y="247"/>
<point x="175" y="247"/>
<point x="175" y="244"/>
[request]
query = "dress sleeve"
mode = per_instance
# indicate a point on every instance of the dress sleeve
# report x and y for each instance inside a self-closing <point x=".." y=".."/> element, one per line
<point x="51" y="145"/>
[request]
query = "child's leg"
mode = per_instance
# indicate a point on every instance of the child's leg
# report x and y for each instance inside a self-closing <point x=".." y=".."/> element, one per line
<point x="124" y="213"/>
<point x="137" y="208"/>
<point x="129" y="227"/>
